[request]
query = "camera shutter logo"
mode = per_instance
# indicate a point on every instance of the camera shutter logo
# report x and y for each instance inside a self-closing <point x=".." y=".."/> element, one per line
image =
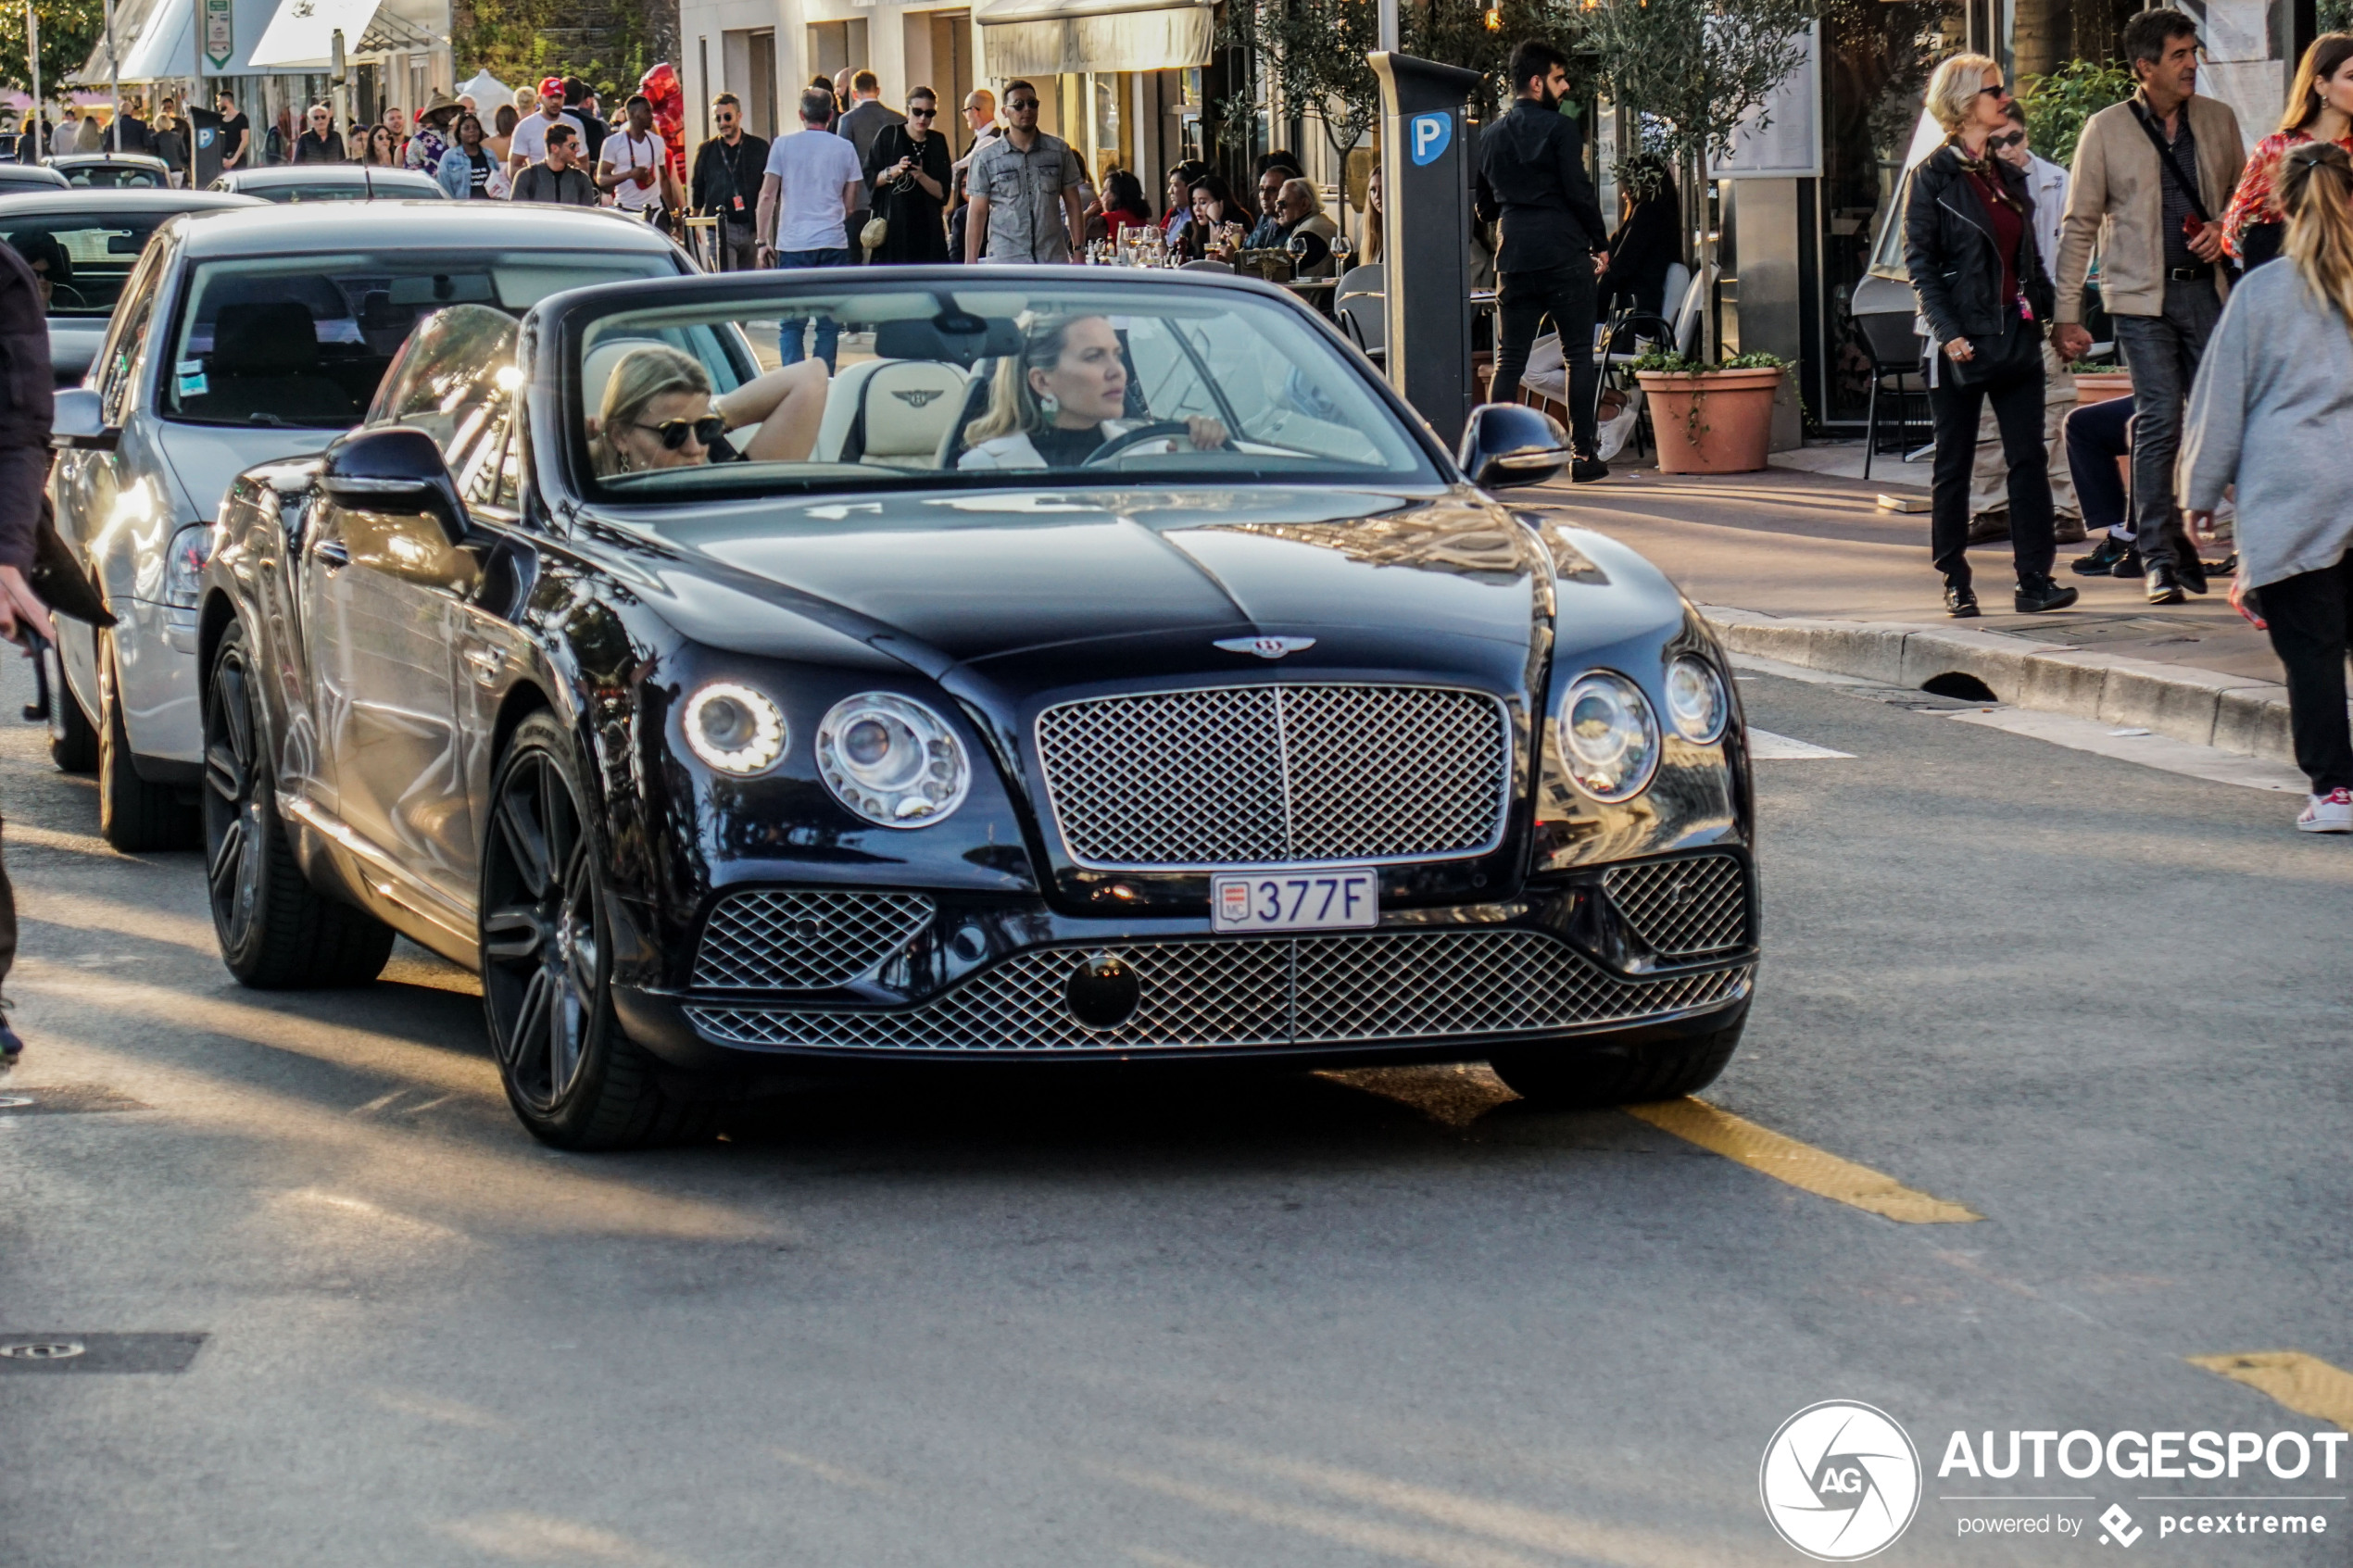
<point x="1841" y="1481"/>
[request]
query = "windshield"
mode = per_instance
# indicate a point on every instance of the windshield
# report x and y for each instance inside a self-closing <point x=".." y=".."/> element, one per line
<point x="946" y="386"/>
<point x="305" y="340"/>
<point x="113" y="176"/>
<point x="83" y="259"/>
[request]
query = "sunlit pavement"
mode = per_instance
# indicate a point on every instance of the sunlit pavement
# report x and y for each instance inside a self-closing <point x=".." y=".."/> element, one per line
<point x="1389" y="1318"/>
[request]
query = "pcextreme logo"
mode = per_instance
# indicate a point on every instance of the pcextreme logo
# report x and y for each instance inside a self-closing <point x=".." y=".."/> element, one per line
<point x="1841" y="1481"/>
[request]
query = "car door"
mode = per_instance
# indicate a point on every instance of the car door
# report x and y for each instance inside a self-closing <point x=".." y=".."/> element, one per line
<point x="87" y="488"/>
<point x="393" y="593"/>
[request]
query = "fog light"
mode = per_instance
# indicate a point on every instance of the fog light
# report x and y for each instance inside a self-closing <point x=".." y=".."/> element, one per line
<point x="1102" y="992"/>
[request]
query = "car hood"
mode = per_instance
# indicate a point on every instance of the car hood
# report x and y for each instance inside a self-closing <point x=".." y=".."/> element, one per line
<point x="204" y="458"/>
<point x="995" y="580"/>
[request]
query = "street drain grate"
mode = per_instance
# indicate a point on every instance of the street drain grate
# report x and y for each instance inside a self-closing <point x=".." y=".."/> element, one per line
<point x="61" y="1100"/>
<point x="33" y="1354"/>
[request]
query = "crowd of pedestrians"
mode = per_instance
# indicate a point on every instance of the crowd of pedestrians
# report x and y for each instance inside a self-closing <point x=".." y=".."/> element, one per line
<point x="2238" y="365"/>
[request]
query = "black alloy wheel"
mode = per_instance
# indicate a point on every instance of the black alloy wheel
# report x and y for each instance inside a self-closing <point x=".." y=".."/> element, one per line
<point x="574" y="1078"/>
<point x="276" y="931"/>
<point x="135" y="816"/>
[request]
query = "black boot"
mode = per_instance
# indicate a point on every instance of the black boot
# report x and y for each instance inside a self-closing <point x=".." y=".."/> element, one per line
<point x="2036" y="594"/>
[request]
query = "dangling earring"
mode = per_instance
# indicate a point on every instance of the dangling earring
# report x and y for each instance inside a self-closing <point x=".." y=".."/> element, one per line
<point x="1049" y="404"/>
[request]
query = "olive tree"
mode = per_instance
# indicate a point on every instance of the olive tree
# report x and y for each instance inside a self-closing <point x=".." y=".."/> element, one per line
<point x="1700" y="67"/>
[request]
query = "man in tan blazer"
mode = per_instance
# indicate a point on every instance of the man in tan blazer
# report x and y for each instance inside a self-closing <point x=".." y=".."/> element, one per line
<point x="2161" y="274"/>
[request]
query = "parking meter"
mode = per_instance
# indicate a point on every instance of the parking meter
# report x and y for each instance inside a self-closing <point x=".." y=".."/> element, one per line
<point x="203" y="148"/>
<point x="1425" y="202"/>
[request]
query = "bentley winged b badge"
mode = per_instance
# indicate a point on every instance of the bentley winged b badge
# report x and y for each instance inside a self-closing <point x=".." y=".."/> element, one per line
<point x="1264" y="647"/>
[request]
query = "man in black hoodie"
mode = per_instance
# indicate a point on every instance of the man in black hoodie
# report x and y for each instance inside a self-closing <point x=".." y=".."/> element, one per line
<point x="1531" y="174"/>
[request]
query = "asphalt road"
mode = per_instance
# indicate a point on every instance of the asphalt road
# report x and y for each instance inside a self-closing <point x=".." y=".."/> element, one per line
<point x="1395" y="1319"/>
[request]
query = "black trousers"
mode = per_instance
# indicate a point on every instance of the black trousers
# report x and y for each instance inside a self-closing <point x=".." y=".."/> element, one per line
<point x="2016" y="396"/>
<point x="1524" y="300"/>
<point x="2310" y="615"/>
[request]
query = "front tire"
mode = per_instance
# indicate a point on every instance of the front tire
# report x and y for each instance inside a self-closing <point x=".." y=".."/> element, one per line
<point x="575" y="1077"/>
<point x="276" y="931"/>
<point x="1573" y="1080"/>
<point x="73" y="745"/>
<point x="135" y="816"/>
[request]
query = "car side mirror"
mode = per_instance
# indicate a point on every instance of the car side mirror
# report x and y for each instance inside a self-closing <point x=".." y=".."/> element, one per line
<point x="1508" y="443"/>
<point x="398" y="470"/>
<point x="78" y="424"/>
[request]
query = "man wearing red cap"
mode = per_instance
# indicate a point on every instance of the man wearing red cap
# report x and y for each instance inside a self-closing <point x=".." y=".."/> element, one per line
<point x="529" y="144"/>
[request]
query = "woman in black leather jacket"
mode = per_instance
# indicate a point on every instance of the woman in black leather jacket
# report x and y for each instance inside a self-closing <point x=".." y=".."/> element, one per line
<point x="1969" y="242"/>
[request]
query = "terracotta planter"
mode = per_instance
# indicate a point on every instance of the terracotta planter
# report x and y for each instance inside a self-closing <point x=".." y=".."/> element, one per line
<point x="1715" y="422"/>
<point x="2098" y="387"/>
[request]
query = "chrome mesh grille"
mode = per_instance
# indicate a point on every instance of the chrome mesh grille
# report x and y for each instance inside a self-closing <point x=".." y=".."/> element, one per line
<point x="805" y="938"/>
<point x="1255" y="991"/>
<point x="1679" y="908"/>
<point x="1276" y="776"/>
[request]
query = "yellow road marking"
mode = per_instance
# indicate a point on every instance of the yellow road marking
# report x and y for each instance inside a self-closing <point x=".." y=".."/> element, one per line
<point x="1800" y="1164"/>
<point x="2306" y="1384"/>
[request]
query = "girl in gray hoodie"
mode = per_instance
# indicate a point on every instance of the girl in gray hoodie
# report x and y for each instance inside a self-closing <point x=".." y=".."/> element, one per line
<point x="2272" y="412"/>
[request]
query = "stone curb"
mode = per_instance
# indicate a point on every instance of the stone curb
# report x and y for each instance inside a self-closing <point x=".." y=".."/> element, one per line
<point x="2230" y="712"/>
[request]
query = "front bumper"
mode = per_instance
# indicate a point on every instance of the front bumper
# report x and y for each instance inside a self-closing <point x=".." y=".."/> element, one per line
<point x="1662" y="945"/>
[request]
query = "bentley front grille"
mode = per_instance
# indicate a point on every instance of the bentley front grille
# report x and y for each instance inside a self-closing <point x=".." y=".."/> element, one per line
<point x="1683" y="908"/>
<point x="1255" y="991"/>
<point x="804" y="939"/>
<point x="1277" y="775"/>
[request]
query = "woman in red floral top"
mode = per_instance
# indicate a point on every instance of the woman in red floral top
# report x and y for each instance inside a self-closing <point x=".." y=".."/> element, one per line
<point x="2320" y="109"/>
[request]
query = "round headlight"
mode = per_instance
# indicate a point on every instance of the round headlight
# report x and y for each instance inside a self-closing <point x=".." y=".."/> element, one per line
<point x="892" y="760"/>
<point x="734" y="729"/>
<point x="1695" y="700"/>
<point x="1609" y="735"/>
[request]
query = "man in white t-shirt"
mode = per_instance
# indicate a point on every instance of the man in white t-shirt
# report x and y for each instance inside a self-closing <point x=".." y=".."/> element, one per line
<point x="634" y="168"/>
<point x="812" y="182"/>
<point x="529" y="144"/>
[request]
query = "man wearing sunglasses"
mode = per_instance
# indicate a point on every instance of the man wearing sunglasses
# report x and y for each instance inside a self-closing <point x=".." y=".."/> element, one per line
<point x="726" y="184"/>
<point x="1026" y="201"/>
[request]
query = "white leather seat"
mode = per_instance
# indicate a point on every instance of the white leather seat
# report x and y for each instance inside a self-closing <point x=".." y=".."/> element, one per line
<point x="889" y="413"/>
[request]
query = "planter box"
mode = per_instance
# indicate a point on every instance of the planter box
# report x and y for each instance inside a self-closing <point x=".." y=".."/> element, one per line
<point x="1715" y="421"/>
<point x="2099" y="386"/>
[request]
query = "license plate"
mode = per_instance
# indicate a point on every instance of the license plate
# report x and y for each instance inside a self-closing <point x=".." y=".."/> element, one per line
<point x="1326" y="900"/>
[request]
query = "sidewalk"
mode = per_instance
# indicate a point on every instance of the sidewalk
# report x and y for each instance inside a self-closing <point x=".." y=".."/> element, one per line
<point x="1804" y="567"/>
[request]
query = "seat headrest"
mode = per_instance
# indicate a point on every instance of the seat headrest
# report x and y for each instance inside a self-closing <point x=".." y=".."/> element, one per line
<point x="908" y="404"/>
<point x="263" y="339"/>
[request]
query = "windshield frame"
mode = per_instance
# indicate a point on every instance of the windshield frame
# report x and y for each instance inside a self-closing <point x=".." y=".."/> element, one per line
<point x="557" y="327"/>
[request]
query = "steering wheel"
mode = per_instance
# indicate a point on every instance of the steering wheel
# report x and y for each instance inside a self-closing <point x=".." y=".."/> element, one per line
<point x="67" y="295"/>
<point x="1159" y="430"/>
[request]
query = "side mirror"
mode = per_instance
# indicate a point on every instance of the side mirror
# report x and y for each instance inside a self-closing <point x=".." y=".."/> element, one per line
<point x="79" y="426"/>
<point x="1507" y="444"/>
<point x="395" y="468"/>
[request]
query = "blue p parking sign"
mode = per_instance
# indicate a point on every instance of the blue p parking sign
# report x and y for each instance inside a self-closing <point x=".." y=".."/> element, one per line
<point x="1426" y="135"/>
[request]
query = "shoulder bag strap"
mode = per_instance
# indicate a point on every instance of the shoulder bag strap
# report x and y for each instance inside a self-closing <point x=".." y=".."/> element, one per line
<point x="2166" y="162"/>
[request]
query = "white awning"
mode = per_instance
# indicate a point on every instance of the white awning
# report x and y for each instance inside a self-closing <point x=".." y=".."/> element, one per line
<point x="302" y="33"/>
<point x="1056" y="37"/>
<point x="156" y="43"/>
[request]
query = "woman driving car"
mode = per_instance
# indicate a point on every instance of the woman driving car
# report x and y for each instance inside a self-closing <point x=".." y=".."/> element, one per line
<point x="658" y="413"/>
<point x="1062" y="400"/>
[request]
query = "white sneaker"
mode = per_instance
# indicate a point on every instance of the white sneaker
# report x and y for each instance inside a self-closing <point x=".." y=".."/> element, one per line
<point x="2332" y="812"/>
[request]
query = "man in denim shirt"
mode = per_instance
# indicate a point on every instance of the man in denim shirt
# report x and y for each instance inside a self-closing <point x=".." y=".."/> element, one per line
<point x="1024" y="190"/>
